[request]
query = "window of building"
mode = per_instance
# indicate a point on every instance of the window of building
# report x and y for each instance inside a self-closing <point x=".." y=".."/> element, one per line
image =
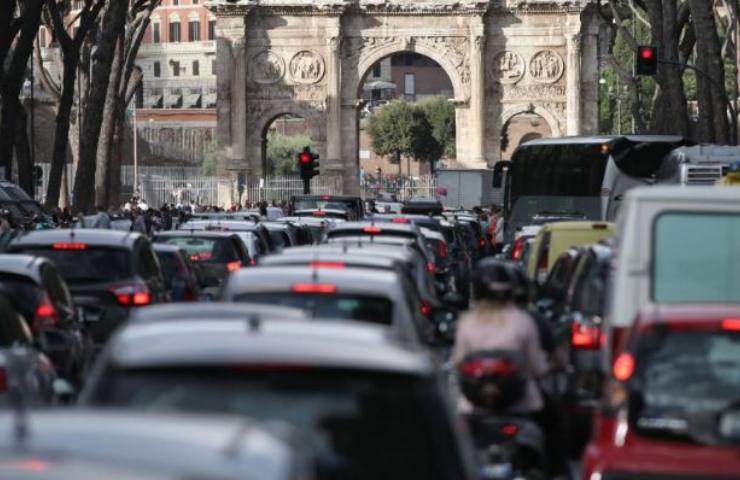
<point x="194" y="31"/>
<point x="377" y="70"/>
<point x="175" y="69"/>
<point x="156" y="36"/>
<point x="175" y="31"/>
<point x="157" y="67"/>
<point x="196" y="68"/>
<point x="195" y="2"/>
<point x="409" y="84"/>
<point x="211" y="29"/>
<point x="175" y="3"/>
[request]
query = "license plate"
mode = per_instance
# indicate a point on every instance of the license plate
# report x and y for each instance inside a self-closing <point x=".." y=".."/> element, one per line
<point x="89" y="316"/>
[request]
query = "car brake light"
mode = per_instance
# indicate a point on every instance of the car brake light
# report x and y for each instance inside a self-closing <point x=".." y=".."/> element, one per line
<point x="335" y="265"/>
<point x="314" y="288"/>
<point x="510" y="430"/>
<point x="319" y="213"/>
<point x="400" y="220"/>
<point x="425" y="309"/>
<point x="201" y="257"/>
<point x="586" y="337"/>
<point x="518" y="250"/>
<point x="252" y="262"/>
<point x="45" y="316"/>
<point x="624" y="367"/>
<point x="731" y="324"/>
<point x="69" y="246"/>
<point x="481" y="367"/>
<point x="233" y="266"/>
<point x="482" y="242"/>
<point x="442" y="249"/>
<point x="372" y="230"/>
<point x="431" y="267"/>
<point x="136" y="295"/>
<point x="326" y="197"/>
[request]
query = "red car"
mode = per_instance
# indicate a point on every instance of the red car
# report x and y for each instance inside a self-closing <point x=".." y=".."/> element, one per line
<point x="672" y="407"/>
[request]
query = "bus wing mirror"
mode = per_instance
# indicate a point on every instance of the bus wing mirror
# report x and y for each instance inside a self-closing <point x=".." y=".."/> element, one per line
<point x="498" y="172"/>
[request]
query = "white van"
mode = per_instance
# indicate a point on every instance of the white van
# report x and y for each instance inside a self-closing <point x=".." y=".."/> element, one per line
<point x="677" y="244"/>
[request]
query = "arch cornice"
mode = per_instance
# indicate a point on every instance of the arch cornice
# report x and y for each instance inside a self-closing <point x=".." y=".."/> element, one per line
<point x="552" y="120"/>
<point x="453" y="60"/>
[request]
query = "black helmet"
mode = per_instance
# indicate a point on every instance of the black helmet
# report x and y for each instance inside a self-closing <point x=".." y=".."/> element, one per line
<point x="492" y="379"/>
<point x="494" y="280"/>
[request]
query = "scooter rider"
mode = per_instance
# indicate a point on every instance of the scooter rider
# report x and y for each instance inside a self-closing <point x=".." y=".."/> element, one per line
<point x="497" y="323"/>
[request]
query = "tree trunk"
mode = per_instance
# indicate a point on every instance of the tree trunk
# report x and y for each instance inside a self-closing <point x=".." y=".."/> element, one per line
<point x="116" y="160"/>
<point x="102" y="58"/>
<point x="61" y="131"/>
<point x="107" y="129"/>
<point x="713" y="99"/>
<point x="23" y="153"/>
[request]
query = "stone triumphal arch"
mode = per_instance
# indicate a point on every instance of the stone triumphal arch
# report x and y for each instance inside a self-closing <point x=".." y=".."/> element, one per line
<point x="309" y="58"/>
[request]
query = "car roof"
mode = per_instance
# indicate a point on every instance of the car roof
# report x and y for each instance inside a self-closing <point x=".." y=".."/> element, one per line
<point x="166" y="248"/>
<point x="700" y="194"/>
<point x="270" y="279"/>
<point x="189" y="445"/>
<point x="325" y="197"/>
<point x="384" y="226"/>
<point x="288" y="257"/>
<point x="321" y="344"/>
<point x="602" y="139"/>
<point x="28" y="266"/>
<point x="400" y="252"/>
<point x="193" y="233"/>
<point x="176" y="312"/>
<point x="90" y="236"/>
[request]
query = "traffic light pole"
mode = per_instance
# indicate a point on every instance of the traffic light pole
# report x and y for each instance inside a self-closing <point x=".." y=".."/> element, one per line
<point x="730" y="105"/>
<point x="306" y="186"/>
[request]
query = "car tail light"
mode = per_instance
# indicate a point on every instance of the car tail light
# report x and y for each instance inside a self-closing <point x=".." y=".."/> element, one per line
<point x="400" y="220"/>
<point x="45" y="315"/>
<point x="731" y="324"/>
<point x="334" y="265"/>
<point x="326" y="197"/>
<point x="510" y="430"/>
<point x="488" y="366"/>
<point x="373" y="230"/>
<point x="624" y="367"/>
<point x="136" y="295"/>
<point x="69" y="246"/>
<point x="201" y="257"/>
<point x="586" y="337"/>
<point x="319" y="213"/>
<point x="518" y="250"/>
<point x="314" y="288"/>
<point x="482" y="242"/>
<point x="442" y="250"/>
<point x="426" y="310"/>
<point x="252" y="261"/>
<point x="431" y="267"/>
<point x="233" y="266"/>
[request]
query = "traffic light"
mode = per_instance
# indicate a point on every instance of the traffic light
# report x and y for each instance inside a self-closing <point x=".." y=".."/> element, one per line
<point x="308" y="164"/>
<point x="646" y="60"/>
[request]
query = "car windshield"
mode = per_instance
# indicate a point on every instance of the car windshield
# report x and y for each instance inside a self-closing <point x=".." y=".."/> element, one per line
<point x="89" y="265"/>
<point x="359" y="425"/>
<point x="346" y="307"/>
<point x="696" y="258"/>
<point x="208" y="250"/>
<point x="686" y="378"/>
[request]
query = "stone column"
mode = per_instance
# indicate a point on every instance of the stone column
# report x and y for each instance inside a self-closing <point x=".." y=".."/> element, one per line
<point x="476" y="118"/>
<point x="231" y="67"/>
<point x="573" y="83"/>
<point x="333" y="96"/>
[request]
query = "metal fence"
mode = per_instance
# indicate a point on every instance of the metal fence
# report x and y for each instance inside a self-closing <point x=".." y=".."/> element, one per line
<point x="403" y="188"/>
<point x="157" y="190"/>
<point x="282" y="188"/>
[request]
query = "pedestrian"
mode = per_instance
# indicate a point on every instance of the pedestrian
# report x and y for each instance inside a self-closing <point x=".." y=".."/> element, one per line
<point x="101" y="219"/>
<point x="166" y="217"/>
<point x="139" y="223"/>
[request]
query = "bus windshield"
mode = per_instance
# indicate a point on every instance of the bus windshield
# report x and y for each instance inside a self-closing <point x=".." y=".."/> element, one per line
<point x="557" y="181"/>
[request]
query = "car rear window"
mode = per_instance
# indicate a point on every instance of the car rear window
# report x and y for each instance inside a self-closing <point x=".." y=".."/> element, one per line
<point x="685" y="377"/>
<point x="171" y="266"/>
<point x="22" y="292"/>
<point x="696" y="259"/>
<point x="359" y="425"/>
<point x="89" y="265"/>
<point x="346" y="307"/>
<point x="204" y="249"/>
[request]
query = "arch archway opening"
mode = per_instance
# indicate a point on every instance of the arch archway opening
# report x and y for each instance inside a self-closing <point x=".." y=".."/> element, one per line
<point x="520" y="129"/>
<point x="283" y="138"/>
<point x="398" y="91"/>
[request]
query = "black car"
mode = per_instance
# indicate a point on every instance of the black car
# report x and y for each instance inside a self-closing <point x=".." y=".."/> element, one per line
<point x="108" y="272"/>
<point x="38" y="292"/>
<point x="368" y="407"/>
<point x="216" y="254"/>
<point x="354" y="206"/>
<point x="180" y="276"/>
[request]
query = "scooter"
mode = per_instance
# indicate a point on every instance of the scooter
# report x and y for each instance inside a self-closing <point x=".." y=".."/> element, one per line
<point x="509" y="446"/>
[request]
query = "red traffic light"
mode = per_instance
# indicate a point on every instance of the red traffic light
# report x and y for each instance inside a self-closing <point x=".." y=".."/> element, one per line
<point x="304" y="157"/>
<point x="647" y="53"/>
